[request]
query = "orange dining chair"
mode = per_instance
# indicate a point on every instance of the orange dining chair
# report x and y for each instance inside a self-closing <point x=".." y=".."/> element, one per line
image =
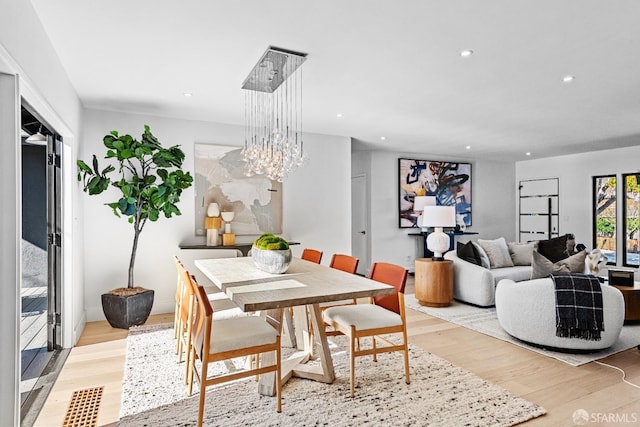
<point x="230" y="338"/>
<point x="312" y="255"/>
<point x="178" y="299"/>
<point x="384" y="315"/>
<point x="185" y="316"/>
<point x="348" y="264"/>
<point x="345" y="263"/>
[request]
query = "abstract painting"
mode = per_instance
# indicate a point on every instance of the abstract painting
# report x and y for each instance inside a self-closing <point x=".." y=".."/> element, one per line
<point x="449" y="182"/>
<point x="220" y="177"/>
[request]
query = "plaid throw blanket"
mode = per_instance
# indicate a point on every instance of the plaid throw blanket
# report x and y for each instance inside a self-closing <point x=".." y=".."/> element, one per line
<point x="578" y="306"/>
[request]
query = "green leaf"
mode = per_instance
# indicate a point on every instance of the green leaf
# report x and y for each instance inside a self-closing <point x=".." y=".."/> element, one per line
<point x="83" y="166"/>
<point x="125" y="154"/>
<point x="108" y="169"/>
<point x="95" y="165"/>
<point x="154" y="215"/>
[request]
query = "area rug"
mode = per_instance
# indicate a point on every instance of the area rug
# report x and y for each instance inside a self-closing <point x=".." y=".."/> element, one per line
<point x="485" y="320"/>
<point x="440" y="394"/>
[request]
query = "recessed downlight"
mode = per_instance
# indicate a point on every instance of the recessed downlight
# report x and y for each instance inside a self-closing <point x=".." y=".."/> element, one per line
<point x="339" y="115"/>
<point x="188" y="94"/>
<point x="468" y="147"/>
<point x="568" y="79"/>
<point x="466" y="53"/>
<point x="383" y="138"/>
<point x="528" y="153"/>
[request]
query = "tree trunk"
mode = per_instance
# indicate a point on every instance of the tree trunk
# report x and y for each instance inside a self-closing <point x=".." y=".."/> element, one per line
<point x="133" y="255"/>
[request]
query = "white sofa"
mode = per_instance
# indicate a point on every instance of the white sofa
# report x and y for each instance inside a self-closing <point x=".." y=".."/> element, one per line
<point x="475" y="284"/>
<point x="526" y="310"/>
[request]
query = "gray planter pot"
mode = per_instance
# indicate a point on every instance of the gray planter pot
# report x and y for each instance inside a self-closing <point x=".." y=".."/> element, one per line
<point x="126" y="311"/>
<point x="276" y="261"/>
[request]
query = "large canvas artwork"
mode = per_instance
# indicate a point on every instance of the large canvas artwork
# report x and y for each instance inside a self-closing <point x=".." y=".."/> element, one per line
<point x="449" y="182"/>
<point x="219" y="177"/>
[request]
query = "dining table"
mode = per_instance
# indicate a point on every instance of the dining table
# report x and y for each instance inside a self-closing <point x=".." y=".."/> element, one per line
<point x="305" y="286"/>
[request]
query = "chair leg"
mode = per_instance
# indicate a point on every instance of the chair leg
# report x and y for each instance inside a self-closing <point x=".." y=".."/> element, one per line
<point x="186" y="364"/>
<point x="375" y="355"/>
<point x="352" y="360"/>
<point x="203" y="390"/>
<point x="180" y="350"/>
<point x="406" y="358"/>
<point x="176" y="323"/>
<point x="191" y="363"/>
<point x="279" y="378"/>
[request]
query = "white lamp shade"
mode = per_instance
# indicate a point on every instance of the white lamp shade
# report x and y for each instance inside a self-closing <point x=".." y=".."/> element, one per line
<point x="439" y="216"/>
<point x="419" y="202"/>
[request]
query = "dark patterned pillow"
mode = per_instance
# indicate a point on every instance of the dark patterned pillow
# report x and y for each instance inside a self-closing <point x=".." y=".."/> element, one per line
<point x="468" y="252"/>
<point x="554" y="249"/>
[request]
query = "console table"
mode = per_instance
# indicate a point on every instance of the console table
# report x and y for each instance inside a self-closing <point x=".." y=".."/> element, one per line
<point x="244" y="248"/>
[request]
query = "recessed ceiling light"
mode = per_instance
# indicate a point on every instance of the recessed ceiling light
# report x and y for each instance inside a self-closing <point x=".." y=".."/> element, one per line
<point x="528" y="153"/>
<point x="383" y="138"/>
<point x="188" y="94"/>
<point x="468" y="147"/>
<point x="568" y="79"/>
<point x="466" y="53"/>
<point x="339" y="115"/>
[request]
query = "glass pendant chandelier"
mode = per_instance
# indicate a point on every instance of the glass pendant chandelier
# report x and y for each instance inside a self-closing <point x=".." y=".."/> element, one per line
<point x="273" y="115"/>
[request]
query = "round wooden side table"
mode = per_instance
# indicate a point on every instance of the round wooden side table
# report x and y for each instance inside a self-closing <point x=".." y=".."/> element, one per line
<point x="434" y="282"/>
<point x="631" y="295"/>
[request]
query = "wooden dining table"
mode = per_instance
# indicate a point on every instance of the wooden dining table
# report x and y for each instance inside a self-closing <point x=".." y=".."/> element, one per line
<point x="304" y="286"/>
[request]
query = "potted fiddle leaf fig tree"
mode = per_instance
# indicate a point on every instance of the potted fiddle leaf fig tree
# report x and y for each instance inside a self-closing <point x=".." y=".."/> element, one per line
<point x="149" y="181"/>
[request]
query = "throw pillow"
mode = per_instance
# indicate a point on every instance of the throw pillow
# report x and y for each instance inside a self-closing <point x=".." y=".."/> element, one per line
<point x="554" y="249"/>
<point x="468" y="252"/>
<point x="484" y="259"/>
<point x="497" y="251"/>
<point x="543" y="267"/>
<point x="575" y="263"/>
<point x="521" y="253"/>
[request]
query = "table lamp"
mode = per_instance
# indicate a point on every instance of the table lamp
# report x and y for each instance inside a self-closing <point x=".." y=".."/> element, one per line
<point x="438" y="216"/>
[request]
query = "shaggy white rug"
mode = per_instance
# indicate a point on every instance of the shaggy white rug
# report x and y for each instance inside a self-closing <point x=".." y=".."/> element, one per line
<point x="440" y="394"/>
<point x="485" y="320"/>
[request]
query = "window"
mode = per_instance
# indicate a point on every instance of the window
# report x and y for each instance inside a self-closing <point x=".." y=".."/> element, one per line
<point x="631" y="219"/>
<point x="605" y="224"/>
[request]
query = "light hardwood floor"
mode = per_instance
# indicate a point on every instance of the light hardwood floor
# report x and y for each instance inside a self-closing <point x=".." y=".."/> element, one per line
<point x="98" y="359"/>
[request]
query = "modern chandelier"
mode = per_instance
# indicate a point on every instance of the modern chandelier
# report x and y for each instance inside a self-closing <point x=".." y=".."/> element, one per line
<point x="273" y="115"/>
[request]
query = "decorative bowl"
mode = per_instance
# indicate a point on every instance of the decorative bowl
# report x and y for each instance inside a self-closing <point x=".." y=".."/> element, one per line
<point x="271" y="261"/>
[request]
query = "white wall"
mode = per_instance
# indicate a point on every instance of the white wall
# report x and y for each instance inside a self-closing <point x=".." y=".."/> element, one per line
<point x="575" y="174"/>
<point x="493" y="199"/>
<point x="317" y="212"/>
<point x="25" y="51"/>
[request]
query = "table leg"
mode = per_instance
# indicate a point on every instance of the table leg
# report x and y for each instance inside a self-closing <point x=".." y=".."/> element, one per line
<point x="325" y="372"/>
<point x="296" y="365"/>
<point x="267" y="383"/>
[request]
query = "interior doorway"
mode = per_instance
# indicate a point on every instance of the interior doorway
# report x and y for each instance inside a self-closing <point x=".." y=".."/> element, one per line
<point x="40" y="321"/>
<point x="359" y="236"/>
